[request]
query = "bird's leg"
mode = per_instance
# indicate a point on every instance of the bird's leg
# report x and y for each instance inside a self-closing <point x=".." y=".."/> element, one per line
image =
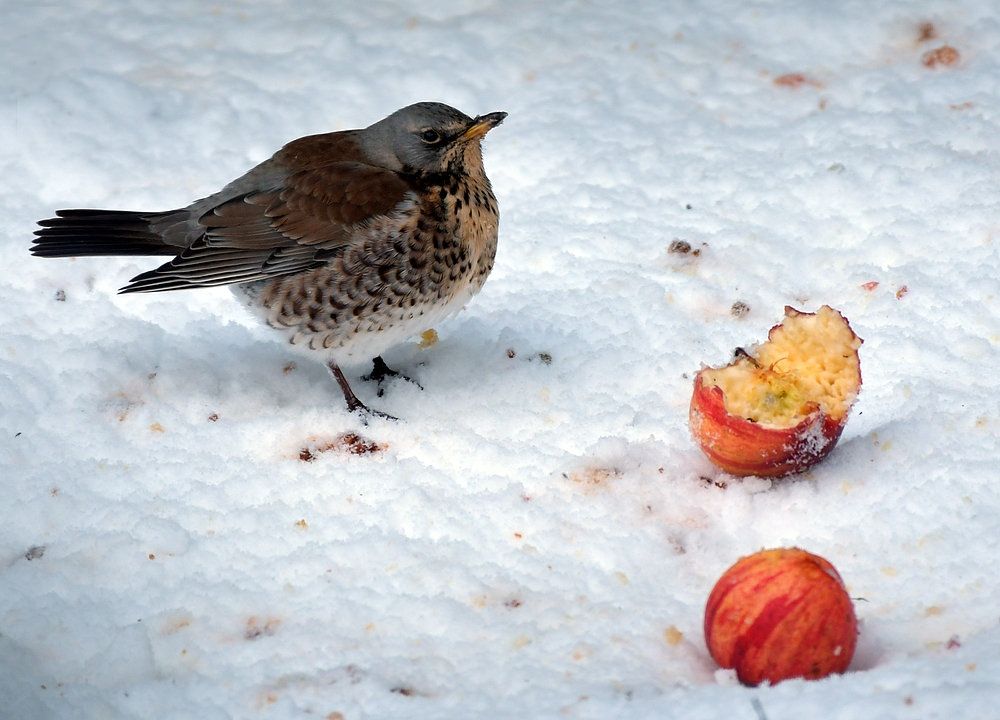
<point x="380" y="371"/>
<point x="353" y="404"/>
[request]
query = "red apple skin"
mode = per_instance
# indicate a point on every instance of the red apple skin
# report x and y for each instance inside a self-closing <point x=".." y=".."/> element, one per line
<point x="742" y="448"/>
<point x="780" y="614"/>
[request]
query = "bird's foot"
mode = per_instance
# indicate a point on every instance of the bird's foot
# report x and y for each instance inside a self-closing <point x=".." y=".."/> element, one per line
<point x="353" y="404"/>
<point x="381" y="371"/>
<point x="364" y="412"/>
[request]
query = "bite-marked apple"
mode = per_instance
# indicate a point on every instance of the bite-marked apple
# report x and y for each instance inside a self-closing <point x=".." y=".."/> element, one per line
<point x="780" y="614"/>
<point x="780" y="406"/>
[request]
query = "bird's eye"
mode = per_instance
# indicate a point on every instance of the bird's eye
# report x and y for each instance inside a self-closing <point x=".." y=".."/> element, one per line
<point x="430" y="136"/>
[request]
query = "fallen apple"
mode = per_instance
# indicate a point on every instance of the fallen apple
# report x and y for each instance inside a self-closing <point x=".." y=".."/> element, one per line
<point x="781" y="406"/>
<point x="780" y="614"/>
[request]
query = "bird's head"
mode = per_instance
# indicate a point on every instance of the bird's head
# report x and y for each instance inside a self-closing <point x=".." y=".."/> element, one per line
<point x="428" y="138"/>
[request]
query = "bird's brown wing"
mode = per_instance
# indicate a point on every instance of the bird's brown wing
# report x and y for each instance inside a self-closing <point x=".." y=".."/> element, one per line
<point x="279" y="231"/>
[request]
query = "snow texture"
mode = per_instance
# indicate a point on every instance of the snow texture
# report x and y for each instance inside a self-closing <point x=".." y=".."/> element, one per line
<point x="185" y="530"/>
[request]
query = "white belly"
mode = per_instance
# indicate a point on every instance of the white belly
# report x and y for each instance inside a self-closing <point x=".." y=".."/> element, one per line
<point x="365" y="337"/>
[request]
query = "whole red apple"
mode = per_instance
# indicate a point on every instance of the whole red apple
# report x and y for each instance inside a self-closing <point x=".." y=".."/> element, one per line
<point x="780" y="407"/>
<point x="780" y="614"/>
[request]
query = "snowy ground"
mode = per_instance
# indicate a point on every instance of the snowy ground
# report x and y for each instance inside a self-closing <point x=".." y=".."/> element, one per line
<point x="536" y="538"/>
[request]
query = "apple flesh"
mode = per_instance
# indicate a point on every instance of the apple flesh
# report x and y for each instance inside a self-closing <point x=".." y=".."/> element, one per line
<point x="780" y="407"/>
<point x="781" y="614"/>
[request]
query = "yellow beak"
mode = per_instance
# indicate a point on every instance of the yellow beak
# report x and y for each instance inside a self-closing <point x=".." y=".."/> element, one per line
<point x="482" y="125"/>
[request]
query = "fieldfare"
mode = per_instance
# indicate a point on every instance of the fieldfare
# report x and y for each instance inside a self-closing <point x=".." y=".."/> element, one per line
<point x="348" y="242"/>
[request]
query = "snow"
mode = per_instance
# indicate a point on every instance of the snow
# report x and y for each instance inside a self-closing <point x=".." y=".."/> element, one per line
<point x="538" y="534"/>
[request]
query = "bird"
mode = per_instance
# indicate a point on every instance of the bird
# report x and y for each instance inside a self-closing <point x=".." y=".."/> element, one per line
<point x="347" y="242"/>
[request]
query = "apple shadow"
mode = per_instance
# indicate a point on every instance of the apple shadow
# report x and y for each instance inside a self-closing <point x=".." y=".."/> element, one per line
<point x="869" y="651"/>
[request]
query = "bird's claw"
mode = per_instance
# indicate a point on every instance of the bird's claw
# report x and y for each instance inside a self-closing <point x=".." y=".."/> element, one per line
<point x="381" y="371"/>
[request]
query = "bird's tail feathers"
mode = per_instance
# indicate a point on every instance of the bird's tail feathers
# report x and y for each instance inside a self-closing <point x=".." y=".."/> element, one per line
<point x="77" y="233"/>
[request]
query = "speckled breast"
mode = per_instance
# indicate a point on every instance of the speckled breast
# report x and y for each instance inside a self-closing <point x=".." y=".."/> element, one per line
<point x="392" y="279"/>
